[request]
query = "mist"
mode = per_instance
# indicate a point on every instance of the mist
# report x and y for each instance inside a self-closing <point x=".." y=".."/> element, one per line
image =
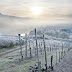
<point x="15" y="25"/>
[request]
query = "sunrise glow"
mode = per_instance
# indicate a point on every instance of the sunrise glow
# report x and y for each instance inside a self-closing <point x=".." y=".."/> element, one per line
<point x="36" y="10"/>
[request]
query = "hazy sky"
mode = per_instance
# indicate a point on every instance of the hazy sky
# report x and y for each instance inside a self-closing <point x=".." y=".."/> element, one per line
<point x="50" y="8"/>
<point x="44" y="10"/>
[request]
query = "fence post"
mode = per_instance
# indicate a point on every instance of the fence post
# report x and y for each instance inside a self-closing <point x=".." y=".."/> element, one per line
<point x="37" y="51"/>
<point x="29" y="42"/>
<point x="20" y="45"/>
<point x="30" y="53"/>
<point x="69" y="46"/>
<point x="40" y="48"/>
<point x="59" y="56"/>
<point x="62" y="49"/>
<point x="33" y="45"/>
<point x="64" y="53"/>
<point x="56" y="57"/>
<point x="50" y="48"/>
<point x="52" y="62"/>
<point x="41" y="45"/>
<point x="45" y="54"/>
<point x="26" y="45"/>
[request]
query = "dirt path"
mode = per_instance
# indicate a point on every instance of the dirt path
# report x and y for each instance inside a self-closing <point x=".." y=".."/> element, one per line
<point x="65" y="65"/>
<point x="9" y="51"/>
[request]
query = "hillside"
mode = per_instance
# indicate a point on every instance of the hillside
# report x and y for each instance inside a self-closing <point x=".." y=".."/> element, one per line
<point x="58" y="33"/>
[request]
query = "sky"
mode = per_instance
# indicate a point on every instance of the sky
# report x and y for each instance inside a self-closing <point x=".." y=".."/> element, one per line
<point x="22" y="8"/>
<point x="40" y="12"/>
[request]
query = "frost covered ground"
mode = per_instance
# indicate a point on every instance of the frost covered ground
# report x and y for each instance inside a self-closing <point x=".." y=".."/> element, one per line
<point x="66" y="63"/>
<point x="12" y="62"/>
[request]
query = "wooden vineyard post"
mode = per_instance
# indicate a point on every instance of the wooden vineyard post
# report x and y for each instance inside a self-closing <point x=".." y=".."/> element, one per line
<point x="50" y="48"/>
<point x="39" y="70"/>
<point x="52" y="62"/>
<point x="30" y="53"/>
<point x="35" y="51"/>
<point x="20" y="45"/>
<point x="59" y="52"/>
<point x="33" y="45"/>
<point x="40" y="48"/>
<point x="26" y="45"/>
<point x="64" y="53"/>
<point x="45" y="54"/>
<point x="54" y="44"/>
<point x="34" y="48"/>
<point x="62" y="49"/>
<point x="29" y="42"/>
<point x="68" y="46"/>
<point x="56" y="57"/>
<point x="59" y="56"/>
<point x="58" y="45"/>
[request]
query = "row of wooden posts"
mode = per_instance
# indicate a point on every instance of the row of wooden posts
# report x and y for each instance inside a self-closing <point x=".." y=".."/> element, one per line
<point x="37" y="52"/>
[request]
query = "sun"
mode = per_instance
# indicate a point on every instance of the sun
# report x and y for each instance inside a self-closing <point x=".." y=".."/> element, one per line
<point x="36" y="10"/>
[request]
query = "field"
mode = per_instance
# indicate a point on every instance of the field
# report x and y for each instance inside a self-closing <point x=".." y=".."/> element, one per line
<point x="12" y="62"/>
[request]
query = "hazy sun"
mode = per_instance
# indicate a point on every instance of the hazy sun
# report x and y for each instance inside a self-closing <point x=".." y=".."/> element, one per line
<point x="36" y="10"/>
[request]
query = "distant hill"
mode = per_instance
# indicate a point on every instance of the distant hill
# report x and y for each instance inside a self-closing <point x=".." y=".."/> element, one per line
<point x="67" y="30"/>
<point x="13" y="24"/>
<point x="14" y="17"/>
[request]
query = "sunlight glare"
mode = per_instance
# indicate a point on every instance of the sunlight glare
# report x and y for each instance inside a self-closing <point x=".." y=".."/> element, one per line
<point x="36" y="10"/>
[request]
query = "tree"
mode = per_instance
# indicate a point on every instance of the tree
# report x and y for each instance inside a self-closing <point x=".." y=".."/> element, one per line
<point x="63" y="35"/>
